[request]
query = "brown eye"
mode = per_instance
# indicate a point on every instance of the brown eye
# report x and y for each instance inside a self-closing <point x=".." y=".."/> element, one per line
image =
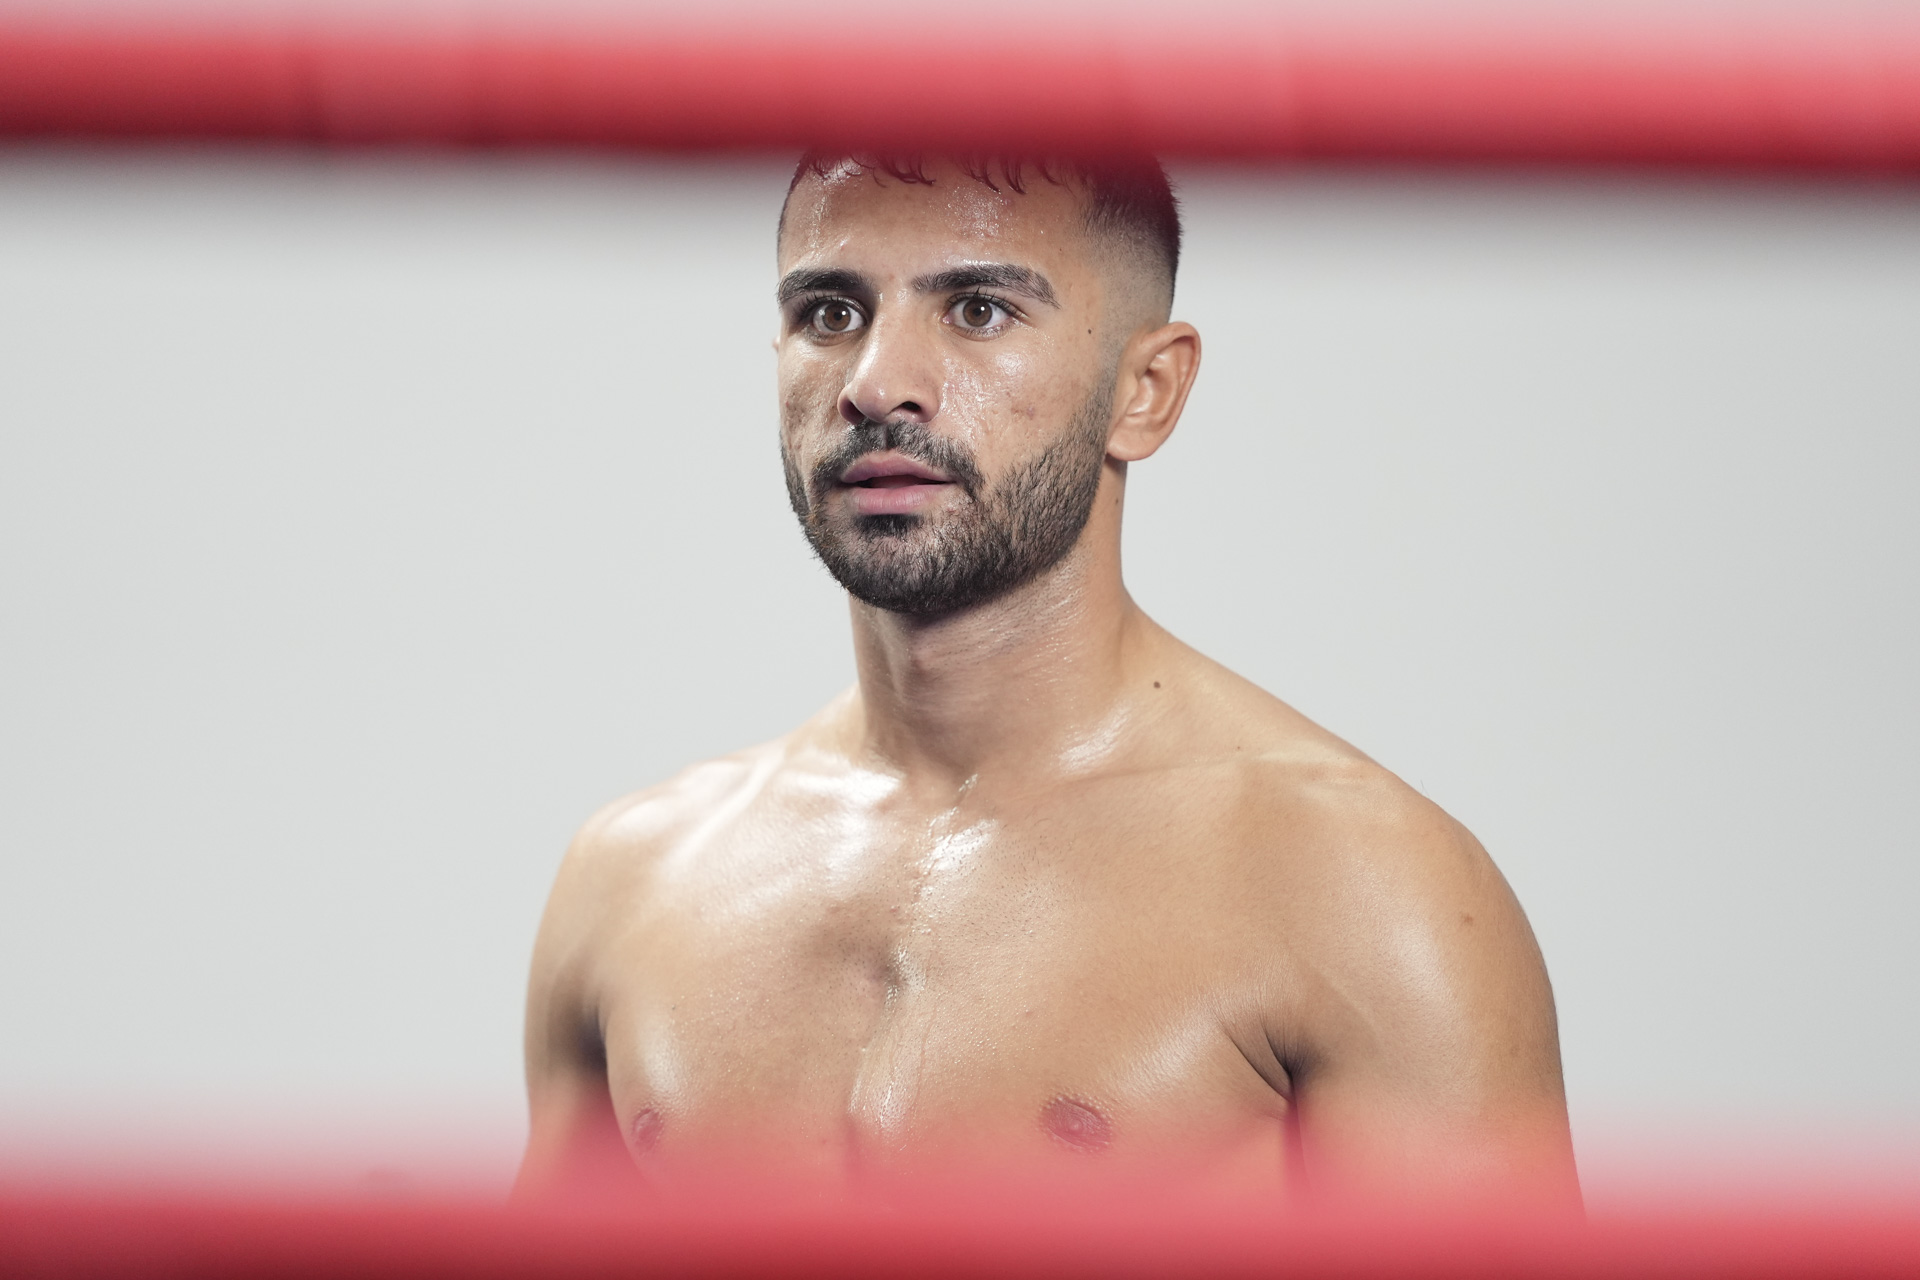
<point x="976" y="313"/>
<point x="835" y="317"/>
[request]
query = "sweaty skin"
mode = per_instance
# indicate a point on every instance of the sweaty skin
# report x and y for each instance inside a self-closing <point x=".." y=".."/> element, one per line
<point x="1046" y="887"/>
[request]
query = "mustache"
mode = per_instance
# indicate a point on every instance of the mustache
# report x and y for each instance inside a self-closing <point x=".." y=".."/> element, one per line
<point x="913" y="439"/>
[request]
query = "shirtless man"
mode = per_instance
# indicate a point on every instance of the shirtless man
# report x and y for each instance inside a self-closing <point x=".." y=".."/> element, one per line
<point x="1046" y="886"/>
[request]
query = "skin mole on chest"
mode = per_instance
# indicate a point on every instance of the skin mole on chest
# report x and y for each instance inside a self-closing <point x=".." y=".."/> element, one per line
<point x="1076" y="1124"/>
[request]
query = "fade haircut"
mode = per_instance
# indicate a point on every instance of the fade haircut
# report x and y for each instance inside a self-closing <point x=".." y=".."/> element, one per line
<point x="1127" y="198"/>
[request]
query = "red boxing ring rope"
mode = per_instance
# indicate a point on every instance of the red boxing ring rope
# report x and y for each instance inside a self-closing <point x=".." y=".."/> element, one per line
<point x="104" y="1239"/>
<point x="1812" y="90"/>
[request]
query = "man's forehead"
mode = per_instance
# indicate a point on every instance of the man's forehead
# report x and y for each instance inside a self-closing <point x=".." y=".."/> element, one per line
<point x="849" y="209"/>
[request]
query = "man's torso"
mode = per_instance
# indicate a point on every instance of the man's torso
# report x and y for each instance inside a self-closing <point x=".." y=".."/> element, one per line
<point x="795" y="962"/>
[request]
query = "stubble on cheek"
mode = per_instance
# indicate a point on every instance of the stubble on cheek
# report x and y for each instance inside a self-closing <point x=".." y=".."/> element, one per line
<point x="803" y="410"/>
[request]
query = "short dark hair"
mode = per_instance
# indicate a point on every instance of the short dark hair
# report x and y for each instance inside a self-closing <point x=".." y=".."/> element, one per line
<point x="1128" y="197"/>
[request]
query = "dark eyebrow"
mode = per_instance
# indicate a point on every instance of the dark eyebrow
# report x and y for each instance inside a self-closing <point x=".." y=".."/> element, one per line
<point x="998" y="275"/>
<point x="821" y="280"/>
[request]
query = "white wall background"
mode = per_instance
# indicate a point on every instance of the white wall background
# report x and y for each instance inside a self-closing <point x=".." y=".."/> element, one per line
<point x="365" y="522"/>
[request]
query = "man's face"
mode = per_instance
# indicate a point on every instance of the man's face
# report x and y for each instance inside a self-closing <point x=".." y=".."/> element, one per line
<point x="944" y="383"/>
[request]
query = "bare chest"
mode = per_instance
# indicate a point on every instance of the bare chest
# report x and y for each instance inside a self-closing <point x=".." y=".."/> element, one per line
<point x="885" y="996"/>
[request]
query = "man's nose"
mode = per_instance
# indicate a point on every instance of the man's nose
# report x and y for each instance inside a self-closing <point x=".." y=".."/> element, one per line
<point x="897" y="378"/>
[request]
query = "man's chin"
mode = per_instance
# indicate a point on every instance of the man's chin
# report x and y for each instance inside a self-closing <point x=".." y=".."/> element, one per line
<point x="895" y="572"/>
<point x="895" y="527"/>
<point x="896" y="590"/>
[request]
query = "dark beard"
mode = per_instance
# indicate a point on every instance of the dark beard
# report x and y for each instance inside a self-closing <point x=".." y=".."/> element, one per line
<point x="1003" y="536"/>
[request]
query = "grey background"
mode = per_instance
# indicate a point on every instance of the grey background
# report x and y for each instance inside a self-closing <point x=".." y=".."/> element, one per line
<point x="369" y="521"/>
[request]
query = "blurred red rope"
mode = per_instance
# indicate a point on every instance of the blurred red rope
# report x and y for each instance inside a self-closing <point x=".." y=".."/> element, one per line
<point x="1809" y="92"/>
<point x="103" y="1238"/>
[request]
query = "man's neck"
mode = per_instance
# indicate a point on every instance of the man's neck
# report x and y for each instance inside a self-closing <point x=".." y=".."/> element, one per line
<point x="1027" y="682"/>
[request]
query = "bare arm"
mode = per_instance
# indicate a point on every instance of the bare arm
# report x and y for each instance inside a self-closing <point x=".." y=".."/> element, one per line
<point x="1428" y="1064"/>
<point x="575" y="1149"/>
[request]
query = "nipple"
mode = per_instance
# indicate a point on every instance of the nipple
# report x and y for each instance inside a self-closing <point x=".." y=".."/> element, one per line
<point x="643" y="1131"/>
<point x="1079" y="1125"/>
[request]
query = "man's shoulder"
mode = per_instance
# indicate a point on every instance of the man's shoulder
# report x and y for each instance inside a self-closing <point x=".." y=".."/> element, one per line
<point x="619" y="855"/>
<point x="1348" y="813"/>
<point x="1347" y="871"/>
<point x="640" y="827"/>
<point x="681" y="814"/>
<point x="613" y="865"/>
<point x="1349" y="820"/>
<point x="610" y="878"/>
<point x="1304" y="801"/>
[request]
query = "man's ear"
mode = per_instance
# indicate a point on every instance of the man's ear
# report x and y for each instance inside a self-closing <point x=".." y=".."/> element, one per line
<point x="1156" y="373"/>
